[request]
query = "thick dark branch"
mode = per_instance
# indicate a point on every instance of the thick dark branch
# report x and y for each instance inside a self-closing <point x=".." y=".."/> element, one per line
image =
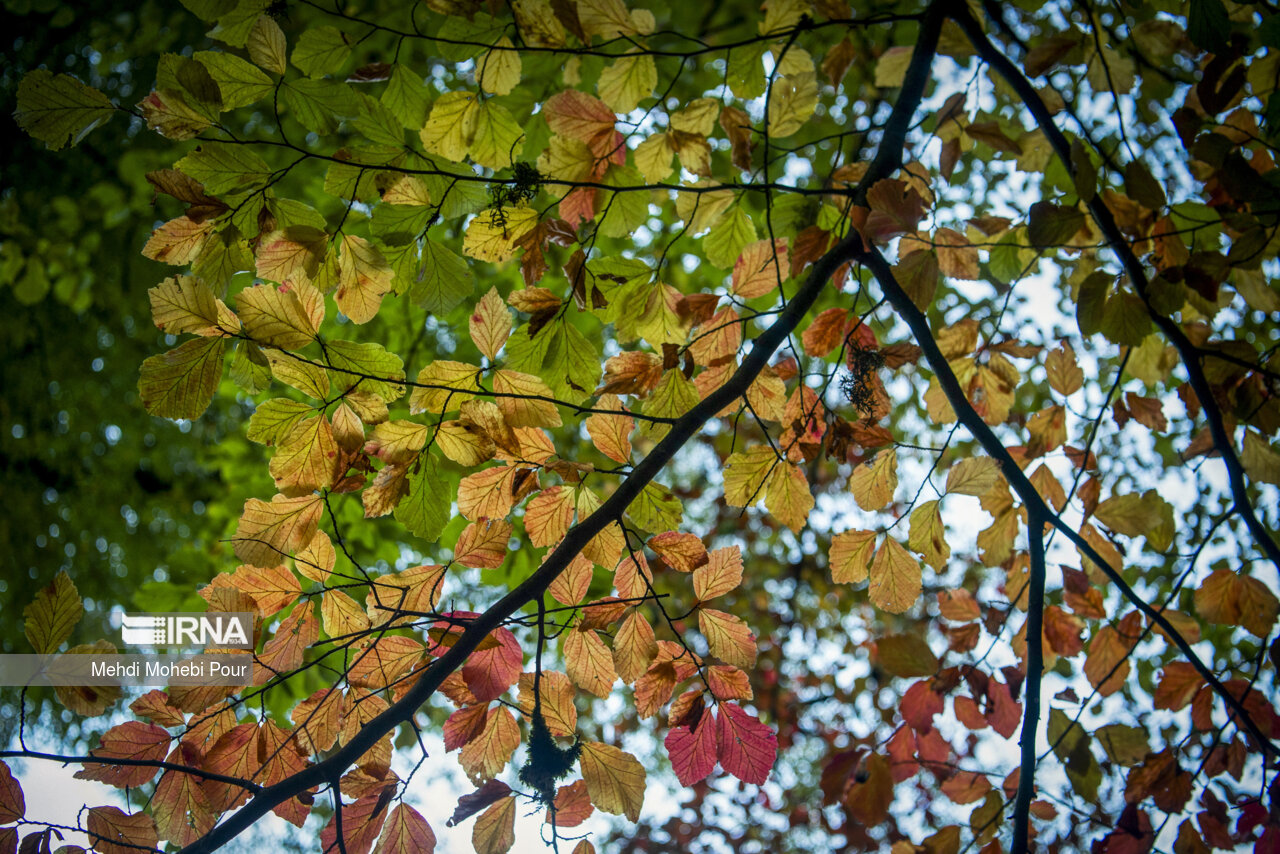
<point x="888" y="159"/>
<point x="1026" y="491"/>
<point x="1187" y="351"/>
<point x="1035" y="670"/>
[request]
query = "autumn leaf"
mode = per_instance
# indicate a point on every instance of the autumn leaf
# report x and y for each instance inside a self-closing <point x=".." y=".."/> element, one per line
<point x="615" y="779"/>
<point x="748" y="748"/>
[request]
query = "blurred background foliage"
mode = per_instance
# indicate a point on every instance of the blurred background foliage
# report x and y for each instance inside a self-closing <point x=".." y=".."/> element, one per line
<point x="92" y="483"/>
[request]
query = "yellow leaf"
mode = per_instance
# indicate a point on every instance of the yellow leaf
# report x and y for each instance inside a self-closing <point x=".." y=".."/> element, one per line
<point x="653" y="158"/>
<point x="788" y="497"/>
<point x="299" y="373"/>
<point x="451" y="126"/>
<point x="928" y="535"/>
<point x="275" y="316"/>
<point x="698" y="116"/>
<point x="568" y="159"/>
<point x="974" y="476"/>
<point x="1132" y="515"/>
<point x="720" y="574"/>
<point x="549" y="515"/>
<point x="442" y="387"/>
<point x="484" y="756"/>
<point x="728" y="638"/>
<point x="1065" y="376"/>
<point x="398" y="442"/>
<point x="850" y="556"/>
<point x="627" y="81"/>
<point x="891" y="67"/>
<point x="490" y="324"/>
<point x="611" y="434"/>
<point x="605" y="18"/>
<point x="304" y="461"/>
<point x="267" y="45"/>
<point x="874" y="482"/>
<point x="498" y="71"/>
<point x="497" y="136"/>
<point x="634" y="647"/>
<point x="487" y="494"/>
<point x="178" y="241"/>
<point x="269" y="530"/>
<point x="491" y="236"/>
<point x="615" y="779"/>
<point x="317" y="560"/>
<point x="525" y="400"/>
<point x="761" y="268"/>
<point x="557" y="701"/>
<point x="364" y="278"/>
<point x="292" y="255"/>
<point x="791" y="103"/>
<point x="495" y="830"/>
<point x="745" y="473"/>
<point x="895" y="577"/>
<point x="466" y="444"/>
<point x="185" y="304"/>
<point x="341" y="615"/>
<point x="589" y="663"/>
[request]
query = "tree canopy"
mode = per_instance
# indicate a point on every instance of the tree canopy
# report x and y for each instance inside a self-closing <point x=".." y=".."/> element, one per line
<point x="819" y="426"/>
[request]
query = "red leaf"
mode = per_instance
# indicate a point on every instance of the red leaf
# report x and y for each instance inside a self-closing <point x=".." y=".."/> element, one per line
<point x="130" y="740"/>
<point x="747" y="747"/>
<point x="693" y="752"/>
<point x="117" y="832"/>
<point x="469" y="805"/>
<point x="12" y="805"/>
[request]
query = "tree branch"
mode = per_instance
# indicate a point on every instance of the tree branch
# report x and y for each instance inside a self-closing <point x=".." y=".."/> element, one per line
<point x="887" y="160"/>
<point x="1187" y="351"/>
<point x="1022" y="485"/>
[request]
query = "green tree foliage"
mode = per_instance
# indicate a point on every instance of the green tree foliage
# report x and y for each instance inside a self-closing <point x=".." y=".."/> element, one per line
<point x="860" y="421"/>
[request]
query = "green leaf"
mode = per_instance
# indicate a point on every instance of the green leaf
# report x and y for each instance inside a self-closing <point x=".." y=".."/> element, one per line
<point x="443" y="280"/>
<point x="726" y="240"/>
<point x="275" y="418"/>
<point x="1208" y="25"/>
<point x="226" y="168"/>
<point x="1071" y="746"/>
<point x="317" y="104"/>
<point x="672" y="397"/>
<point x="1125" y="745"/>
<point x="1053" y="225"/>
<point x="58" y="109"/>
<point x="656" y="509"/>
<point x="239" y="82"/>
<point x="181" y="382"/>
<point x="406" y="97"/>
<point x="425" y="510"/>
<point x="1091" y="302"/>
<point x="746" y="71"/>
<point x="53" y="614"/>
<point x="321" y="51"/>
<point x="249" y="368"/>
<point x="623" y="213"/>
<point x="378" y="123"/>
<point x="1125" y="320"/>
<point x="372" y="368"/>
<point x="497" y="137"/>
<point x="234" y="26"/>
